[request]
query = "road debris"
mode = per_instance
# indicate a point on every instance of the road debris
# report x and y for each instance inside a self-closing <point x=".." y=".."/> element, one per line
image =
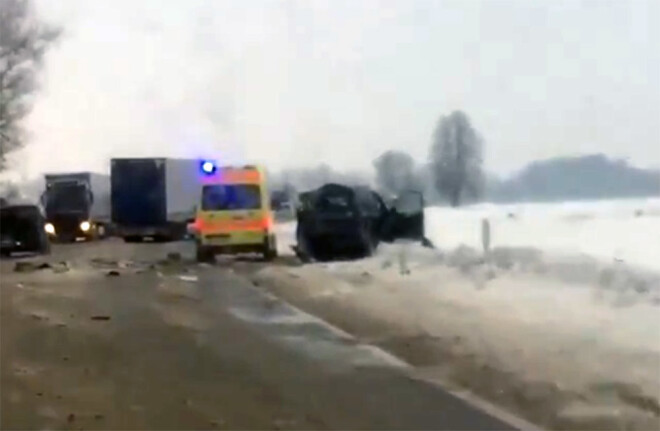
<point x="190" y="278"/>
<point x="112" y="273"/>
<point x="174" y="257"/>
<point x="25" y="267"/>
<point x="217" y="423"/>
<point x="100" y="317"/>
<point x="59" y="267"/>
<point x="99" y="261"/>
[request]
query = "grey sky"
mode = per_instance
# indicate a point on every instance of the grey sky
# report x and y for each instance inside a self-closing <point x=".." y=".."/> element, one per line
<point x="338" y="81"/>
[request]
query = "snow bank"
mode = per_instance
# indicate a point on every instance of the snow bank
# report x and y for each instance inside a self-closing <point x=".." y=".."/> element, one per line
<point x="622" y="230"/>
<point x="567" y="301"/>
<point x="565" y="354"/>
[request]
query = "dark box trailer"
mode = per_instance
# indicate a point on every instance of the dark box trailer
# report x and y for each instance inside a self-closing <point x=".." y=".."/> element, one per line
<point x="77" y="204"/>
<point x="153" y="197"/>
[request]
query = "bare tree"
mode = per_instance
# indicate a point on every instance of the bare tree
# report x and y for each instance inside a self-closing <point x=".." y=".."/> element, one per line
<point x="395" y="172"/>
<point x="23" y="42"/>
<point x="456" y="158"/>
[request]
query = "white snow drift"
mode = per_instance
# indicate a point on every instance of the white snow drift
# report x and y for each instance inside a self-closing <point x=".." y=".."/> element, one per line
<point x="569" y="295"/>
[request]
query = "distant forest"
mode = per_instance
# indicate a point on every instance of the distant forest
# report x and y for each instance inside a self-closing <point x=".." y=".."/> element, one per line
<point x="588" y="177"/>
<point x="575" y="178"/>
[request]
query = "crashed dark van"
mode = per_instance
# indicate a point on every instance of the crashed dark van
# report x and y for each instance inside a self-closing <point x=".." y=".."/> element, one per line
<point x="22" y="230"/>
<point x="337" y="220"/>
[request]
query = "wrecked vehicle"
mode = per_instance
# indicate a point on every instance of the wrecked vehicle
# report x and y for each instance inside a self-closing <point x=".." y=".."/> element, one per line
<point x="350" y="221"/>
<point x="22" y="230"/>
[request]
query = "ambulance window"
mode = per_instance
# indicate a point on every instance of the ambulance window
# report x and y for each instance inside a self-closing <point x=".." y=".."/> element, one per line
<point x="228" y="197"/>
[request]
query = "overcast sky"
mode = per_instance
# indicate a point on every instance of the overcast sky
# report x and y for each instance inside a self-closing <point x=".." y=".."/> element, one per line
<point x="291" y="83"/>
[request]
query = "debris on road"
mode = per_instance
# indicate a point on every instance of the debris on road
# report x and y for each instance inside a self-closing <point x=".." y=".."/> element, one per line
<point x="217" y="423"/>
<point x="60" y="267"/>
<point x="99" y="261"/>
<point x="174" y="257"/>
<point x="25" y="267"/>
<point x="111" y="263"/>
<point x="190" y="278"/>
<point x="112" y="273"/>
<point x="100" y="317"/>
<point x="34" y="266"/>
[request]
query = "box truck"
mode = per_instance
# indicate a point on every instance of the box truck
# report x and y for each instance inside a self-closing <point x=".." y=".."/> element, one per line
<point x="153" y="197"/>
<point x="76" y="204"/>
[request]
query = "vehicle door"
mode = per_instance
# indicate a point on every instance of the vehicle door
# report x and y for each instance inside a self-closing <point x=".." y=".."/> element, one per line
<point x="405" y="219"/>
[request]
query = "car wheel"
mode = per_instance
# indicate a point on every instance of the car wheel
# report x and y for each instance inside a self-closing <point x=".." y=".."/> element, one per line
<point x="368" y="244"/>
<point x="45" y="247"/>
<point x="204" y="254"/>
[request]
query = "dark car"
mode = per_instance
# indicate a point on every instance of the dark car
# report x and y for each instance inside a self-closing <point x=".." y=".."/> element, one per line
<point x="22" y="230"/>
<point x="349" y="221"/>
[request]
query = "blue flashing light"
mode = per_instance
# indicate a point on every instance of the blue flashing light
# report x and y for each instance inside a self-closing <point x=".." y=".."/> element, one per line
<point x="208" y="167"/>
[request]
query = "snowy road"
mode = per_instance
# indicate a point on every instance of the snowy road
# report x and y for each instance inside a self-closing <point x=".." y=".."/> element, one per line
<point x="113" y="343"/>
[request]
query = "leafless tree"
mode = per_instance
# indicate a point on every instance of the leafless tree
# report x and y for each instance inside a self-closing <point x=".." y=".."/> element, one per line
<point x="456" y="158"/>
<point x="23" y="42"/>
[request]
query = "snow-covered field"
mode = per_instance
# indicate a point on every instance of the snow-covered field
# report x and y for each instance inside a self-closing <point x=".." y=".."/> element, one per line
<point x="560" y="323"/>
<point x="623" y="230"/>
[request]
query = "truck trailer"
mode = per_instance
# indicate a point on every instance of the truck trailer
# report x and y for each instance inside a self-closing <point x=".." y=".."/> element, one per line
<point x="76" y="204"/>
<point x="153" y="197"/>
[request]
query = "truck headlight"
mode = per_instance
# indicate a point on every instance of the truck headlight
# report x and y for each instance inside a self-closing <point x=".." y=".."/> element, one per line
<point x="85" y="226"/>
<point x="49" y="228"/>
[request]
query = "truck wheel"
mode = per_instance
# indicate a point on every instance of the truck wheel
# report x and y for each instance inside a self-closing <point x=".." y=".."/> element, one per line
<point x="45" y="246"/>
<point x="204" y="254"/>
<point x="100" y="231"/>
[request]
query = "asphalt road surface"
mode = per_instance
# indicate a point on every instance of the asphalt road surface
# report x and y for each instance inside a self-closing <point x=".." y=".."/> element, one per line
<point x="120" y="339"/>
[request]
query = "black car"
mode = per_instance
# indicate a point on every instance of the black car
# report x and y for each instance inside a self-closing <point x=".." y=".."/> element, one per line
<point x="349" y="221"/>
<point x="22" y="230"/>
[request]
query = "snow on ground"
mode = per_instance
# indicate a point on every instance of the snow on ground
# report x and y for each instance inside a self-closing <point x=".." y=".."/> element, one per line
<point x="569" y="297"/>
<point x="627" y="230"/>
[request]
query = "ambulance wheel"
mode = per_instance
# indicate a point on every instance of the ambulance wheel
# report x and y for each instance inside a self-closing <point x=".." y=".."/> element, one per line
<point x="204" y="254"/>
<point x="270" y="249"/>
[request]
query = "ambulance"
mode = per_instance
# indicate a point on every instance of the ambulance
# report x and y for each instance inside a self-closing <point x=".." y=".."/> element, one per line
<point x="233" y="214"/>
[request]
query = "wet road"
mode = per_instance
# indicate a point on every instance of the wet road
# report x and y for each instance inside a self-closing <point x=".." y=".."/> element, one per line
<point x="183" y="346"/>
